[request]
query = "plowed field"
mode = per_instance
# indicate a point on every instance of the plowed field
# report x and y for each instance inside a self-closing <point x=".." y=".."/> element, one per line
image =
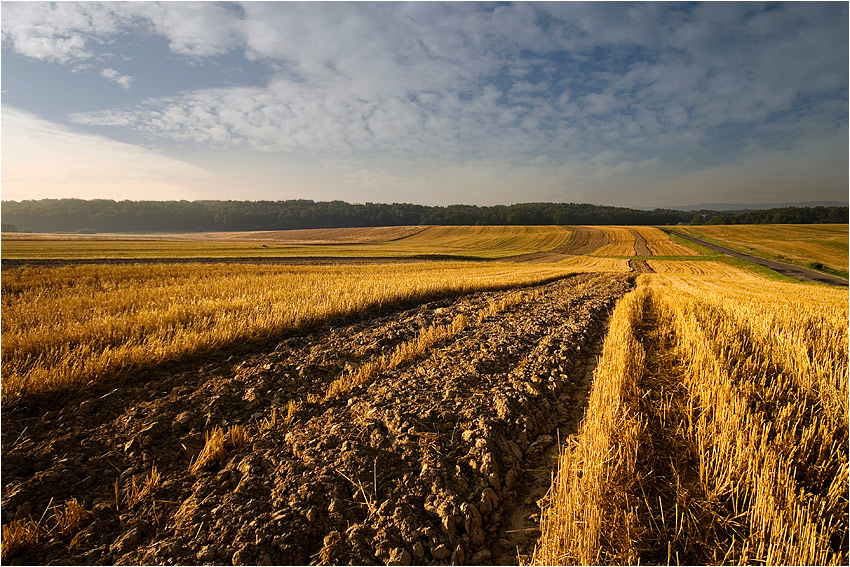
<point x="432" y="461"/>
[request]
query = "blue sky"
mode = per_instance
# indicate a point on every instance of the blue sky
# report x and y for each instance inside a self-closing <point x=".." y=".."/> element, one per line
<point x="644" y="104"/>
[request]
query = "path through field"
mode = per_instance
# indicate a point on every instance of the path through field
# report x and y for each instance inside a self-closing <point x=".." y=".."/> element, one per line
<point x="440" y="458"/>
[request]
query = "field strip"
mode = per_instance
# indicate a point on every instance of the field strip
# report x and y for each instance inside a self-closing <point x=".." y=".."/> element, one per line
<point x="424" y="463"/>
<point x="716" y="431"/>
<point x="73" y="326"/>
<point x="621" y="242"/>
<point x="595" y="264"/>
<point x="660" y="243"/>
<point x="358" y="235"/>
<point x="799" y="244"/>
<point x="584" y="240"/>
<point x="785" y="269"/>
<point x="382" y="242"/>
<point x="698" y="268"/>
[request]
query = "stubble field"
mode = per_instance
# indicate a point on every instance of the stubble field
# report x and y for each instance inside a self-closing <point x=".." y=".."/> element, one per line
<point x="413" y="412"/>
<point x="803" y="245"/>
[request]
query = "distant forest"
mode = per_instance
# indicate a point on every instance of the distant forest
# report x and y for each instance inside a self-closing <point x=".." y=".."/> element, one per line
<point x="77" y="215"/>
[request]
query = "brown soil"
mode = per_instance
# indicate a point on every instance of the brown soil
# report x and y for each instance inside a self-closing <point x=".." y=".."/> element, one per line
<point x="641" y="249"/>
<point x="440" y="460"/>
<point x="640" y="266"/>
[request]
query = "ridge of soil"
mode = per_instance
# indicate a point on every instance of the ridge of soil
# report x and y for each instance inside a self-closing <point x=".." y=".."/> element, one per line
<point x="436" y="461"/>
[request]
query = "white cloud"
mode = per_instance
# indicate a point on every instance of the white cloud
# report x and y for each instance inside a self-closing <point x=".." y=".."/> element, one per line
<point x="361" y="75"/>
<point x="469" y="82"/>
<point x="113" y="75"/>
<point x="59" y="31"/>
<point x="75" y="31"/>
<point x="196" y="29"/>
<point x="42" y="159"/>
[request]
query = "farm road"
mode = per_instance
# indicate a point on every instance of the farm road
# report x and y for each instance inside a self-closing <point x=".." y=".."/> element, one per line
<point x="790" y="270"/>
<point x="439" y="460"/>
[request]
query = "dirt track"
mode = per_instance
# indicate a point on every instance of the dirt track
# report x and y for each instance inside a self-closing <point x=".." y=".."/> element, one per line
<point x="641" y="249"/>
<point x="433" y="462"/>
<point x="640" y="266"/>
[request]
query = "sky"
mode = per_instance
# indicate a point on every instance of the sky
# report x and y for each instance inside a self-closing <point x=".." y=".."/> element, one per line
<point x="627" y="104"/>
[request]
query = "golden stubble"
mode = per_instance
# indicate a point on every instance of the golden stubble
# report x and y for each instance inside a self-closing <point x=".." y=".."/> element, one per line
<point x="760" y="372"/>
<point x="68" y="327"/>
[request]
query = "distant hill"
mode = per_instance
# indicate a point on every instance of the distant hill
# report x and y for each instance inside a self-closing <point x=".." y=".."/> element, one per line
<point x="754" y="207"/>
<point x="102" y="215"/>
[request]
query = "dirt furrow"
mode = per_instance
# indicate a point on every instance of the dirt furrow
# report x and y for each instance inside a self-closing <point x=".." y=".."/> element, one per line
<point x="640" y="266"/>
<point x="430" y="462"/>
<point x="641" y="248"/>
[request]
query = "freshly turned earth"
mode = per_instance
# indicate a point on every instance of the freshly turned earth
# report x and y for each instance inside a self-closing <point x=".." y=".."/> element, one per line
<point x="439" y="461"/>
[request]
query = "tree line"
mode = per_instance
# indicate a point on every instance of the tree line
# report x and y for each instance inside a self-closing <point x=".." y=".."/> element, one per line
<point x="78" y="215"/>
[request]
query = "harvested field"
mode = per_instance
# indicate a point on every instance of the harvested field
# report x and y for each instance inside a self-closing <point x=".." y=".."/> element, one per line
<point x="585" y="240"/>
<point x="799" y="244"/>
<point x="430" y="460"/>
<point x="353" y="410"/>
<point x="66" y="327"/>
<point x="457" y="241"/>
<point x="621" y="242"/>
<point x="716" y="433"/>
<point x="594" y="264"/>
<point x="97" y="247"/>
<point x="486" y="241"/>
<point x="698" y="268"/>
<point x="358" y="235"/>
<point x="660" y="244"/>
<point x="768" y="267"/>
